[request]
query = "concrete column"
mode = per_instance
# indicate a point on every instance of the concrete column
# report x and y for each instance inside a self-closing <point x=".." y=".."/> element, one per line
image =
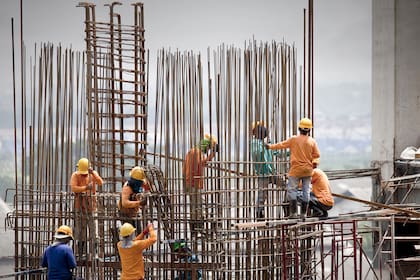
<point x="383" y="84"/>
<point x="395" y="80"/>
<point x="407" y="87"/>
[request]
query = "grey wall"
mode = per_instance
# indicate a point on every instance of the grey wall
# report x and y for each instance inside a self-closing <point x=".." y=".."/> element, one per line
<point x="395" y="80"/>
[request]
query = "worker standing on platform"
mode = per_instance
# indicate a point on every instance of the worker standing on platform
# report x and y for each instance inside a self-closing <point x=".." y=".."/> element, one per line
<point x="83" y="183"/>
<point x="263" y="165"/>
<point x="192" y="172"/>
<point x="131" y="248"/>
<point x="133" y="195"/>
<point x="59" y="257"/>
<point x="321" y="199"/>
<point x="303" y="150"/>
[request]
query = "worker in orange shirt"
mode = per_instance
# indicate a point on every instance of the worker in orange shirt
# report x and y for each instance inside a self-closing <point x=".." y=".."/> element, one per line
<point x="303" y="150"/>
<point x="192" y="172"/>
<point x="133" y="195"/>
<point x="321" y="199"/>
<point x="131" y="249"/>
<point x="83" y="184"/>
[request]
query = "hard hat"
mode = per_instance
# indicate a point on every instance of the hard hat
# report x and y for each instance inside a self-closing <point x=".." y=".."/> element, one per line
<point x="126" y="229"/>
<point x="211" y="138"/>
<point x="305" y="123"/>
<point x="137" y="173"/>
<point x="179" y="244"/>
<point x="207" y="141"/>
<point x="256" y="124"/>
<point x="63" y="232"/>
<point x="83" y="166"/>
<point x="259" y="130"/>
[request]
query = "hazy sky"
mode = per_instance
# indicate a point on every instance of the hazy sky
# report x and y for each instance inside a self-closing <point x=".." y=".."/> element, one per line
<point x="342" y="37"/>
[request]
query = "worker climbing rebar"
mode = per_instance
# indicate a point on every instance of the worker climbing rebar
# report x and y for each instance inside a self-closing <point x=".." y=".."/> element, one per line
<point x="130" y="249"/>
<point x="83" y="184"/>
<point x="303" y="150"/>
<point x="263" y="165"/>
<point x="133" y="196"/>
<point x="193" y="171"/>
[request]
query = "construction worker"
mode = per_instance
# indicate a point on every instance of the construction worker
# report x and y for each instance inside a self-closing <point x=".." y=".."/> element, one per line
<point x="131" y="249"/>
<point x="185" y="255"/>
<point x="59" y="257"/>
<point x="303" y="150"/>
<point x="83" y="183"/>
<point x="263" y="165"/>
<point x="133" y="195"/>
<point x="321" y="199"/>
<point x="192" y="172"/>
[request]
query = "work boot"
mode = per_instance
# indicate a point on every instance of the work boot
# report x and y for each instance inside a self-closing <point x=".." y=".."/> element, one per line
<point x="318" y="213"/>
<point x="292" y="209"/>
<point x="260" y="214"/>
<point x="324" y="214"/>
<point x="303" y="210"/>
<point x="81" y="250"/>
<point x="285" y="207"/>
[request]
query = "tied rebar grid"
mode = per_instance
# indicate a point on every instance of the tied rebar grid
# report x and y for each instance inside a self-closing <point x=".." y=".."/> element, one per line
<point x="106" y="119"/>
<point x="49" y="120"/>
<point x="116" y="91"/>
<point x="92" y="105"/>
<point x="261" y="89"/>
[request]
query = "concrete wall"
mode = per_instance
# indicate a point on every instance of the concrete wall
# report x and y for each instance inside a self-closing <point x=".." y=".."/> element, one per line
<point x="395" y="80"/>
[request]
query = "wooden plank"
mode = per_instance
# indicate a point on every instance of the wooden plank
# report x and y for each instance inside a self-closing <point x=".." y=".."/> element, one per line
<point x="407" y="177"/>
<point x="379" y="205"/>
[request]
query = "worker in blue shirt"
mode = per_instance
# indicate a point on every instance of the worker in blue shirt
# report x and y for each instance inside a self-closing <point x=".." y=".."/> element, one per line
<point x="59" y="257"/>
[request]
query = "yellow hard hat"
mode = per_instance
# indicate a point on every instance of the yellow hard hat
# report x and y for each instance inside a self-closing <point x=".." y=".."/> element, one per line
<point x="126" y="229"/>
<point x="305" y="123"/>
<point x="257" y="123"/>
<point x="211" y="138"/>
<point x="137" y="173"/>
<point x="83" y="166"/>
<point x="63" y="232"/>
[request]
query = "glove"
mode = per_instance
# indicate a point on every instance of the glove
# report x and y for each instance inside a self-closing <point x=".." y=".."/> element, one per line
<point x="146" y="230"/>
<point x="142" y="198"/>
<point x="216" y="148"/>
<point x="89" y="187"/>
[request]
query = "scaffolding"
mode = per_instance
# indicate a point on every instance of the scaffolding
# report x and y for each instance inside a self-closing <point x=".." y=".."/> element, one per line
<point x="337" y="248"/>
